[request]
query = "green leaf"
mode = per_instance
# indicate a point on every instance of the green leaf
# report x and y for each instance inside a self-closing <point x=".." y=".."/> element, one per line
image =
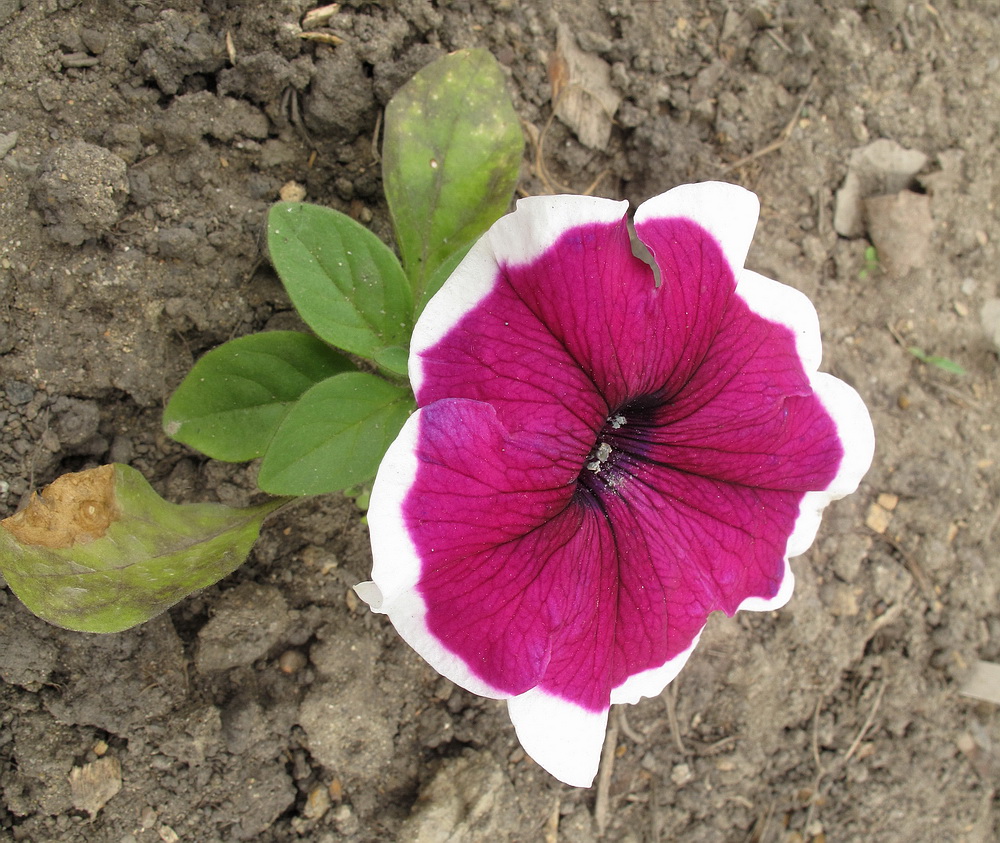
<point x="361" y="493"/>
<point x="100" y="551"/>
<point x="943" y="363"/>
<point x="234" y="397"/>
<point x="450" y="158"/>
<point x="393" y="359"/>
<point x="346" y="284"/>
<point x="946" y="364"/>
<point x="335" y="436"/>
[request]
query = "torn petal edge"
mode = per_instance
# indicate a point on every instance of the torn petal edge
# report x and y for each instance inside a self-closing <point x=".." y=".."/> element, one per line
<point x="726" y="211"/>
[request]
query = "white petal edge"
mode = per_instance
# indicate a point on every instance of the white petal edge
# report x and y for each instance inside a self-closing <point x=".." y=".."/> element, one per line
<point x="539" y="221"/>
<point x="726" y="211"/>
<point x="560" y="736"/>
<point x="651" y="682"/>
<point x="787" y="306"/>
<point x="396" y="565"/>
<point x="777" y="302"/>
<point x="473" y="279"/>
<point x="769" y="604"/>
<point x="857" y="438"/>
<point x="857" y="434"/>
<point x="517" y="238"/>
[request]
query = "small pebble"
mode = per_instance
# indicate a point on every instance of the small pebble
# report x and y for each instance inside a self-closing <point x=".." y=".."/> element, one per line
<point x="317" y="803"/>
<point x="7" y="142"/>
<point x="94" y="40"/>
<point x="292" y="661"/>
<point x="681" y="774"/>
<point x="292" y="191"/>
<point x="877" y="519"/>
<point x="19" y="393"/>
<point x="887" y="500"/>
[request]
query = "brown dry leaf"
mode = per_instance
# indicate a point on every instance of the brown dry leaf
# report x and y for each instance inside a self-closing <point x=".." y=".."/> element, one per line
<point x="984" y="683"/>
<point x="583" y="96"/>
<point x="92" y="785"/>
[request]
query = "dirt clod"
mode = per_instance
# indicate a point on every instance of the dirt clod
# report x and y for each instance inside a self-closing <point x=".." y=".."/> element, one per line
<point x="900" y="227"/>
<point x="81" y="190"/>
<point x="248" y="621"/>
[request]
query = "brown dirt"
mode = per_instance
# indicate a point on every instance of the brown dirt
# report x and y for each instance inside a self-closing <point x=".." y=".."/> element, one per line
<point x="272" y="706"/>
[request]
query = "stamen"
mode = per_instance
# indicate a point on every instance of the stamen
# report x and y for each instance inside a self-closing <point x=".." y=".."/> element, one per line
<point x="601" y="452"/>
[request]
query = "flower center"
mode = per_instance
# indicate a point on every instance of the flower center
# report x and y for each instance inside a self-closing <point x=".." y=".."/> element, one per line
<point x="601" y="452"/>
<point x="603" y="470"/>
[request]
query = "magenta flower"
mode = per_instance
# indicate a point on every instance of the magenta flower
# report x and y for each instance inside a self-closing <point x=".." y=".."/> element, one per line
<point x="603" y="457"/>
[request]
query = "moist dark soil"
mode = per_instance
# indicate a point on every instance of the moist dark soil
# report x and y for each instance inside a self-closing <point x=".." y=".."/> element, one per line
<point x="141" y="142"/>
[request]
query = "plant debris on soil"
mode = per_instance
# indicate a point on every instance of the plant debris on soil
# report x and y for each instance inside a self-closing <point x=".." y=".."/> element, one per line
<point x="141" y="142"/>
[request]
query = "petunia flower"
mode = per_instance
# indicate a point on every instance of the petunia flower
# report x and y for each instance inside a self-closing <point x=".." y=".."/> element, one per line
<point x="605" y="453"/>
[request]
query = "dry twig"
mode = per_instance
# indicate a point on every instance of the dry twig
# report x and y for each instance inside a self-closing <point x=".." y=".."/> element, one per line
<point x="779" y="141"/>
<point x="920" y="576"/>
<point x="602" y="803"/>
<point x="626" y="729"/>
<point x="670" y="698"/>
<point x="822" y="772"/>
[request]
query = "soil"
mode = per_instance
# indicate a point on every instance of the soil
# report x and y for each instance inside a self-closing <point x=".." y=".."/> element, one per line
<point x="141" y="143"/>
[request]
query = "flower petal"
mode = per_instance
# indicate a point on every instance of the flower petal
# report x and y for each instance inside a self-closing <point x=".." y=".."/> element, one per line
<point x="652" y="681"/>
<point x="857" y="437"/>
<point x="532" y="231"/>
<point x="778" y="303"/>
<point x="698" y="236"/>
<point x="397" y="564"/>
<point x="478" y="340"/>
<point x="563" y="738"/>
<point x="749" y="414"/>
<point x="687" y="546"/>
